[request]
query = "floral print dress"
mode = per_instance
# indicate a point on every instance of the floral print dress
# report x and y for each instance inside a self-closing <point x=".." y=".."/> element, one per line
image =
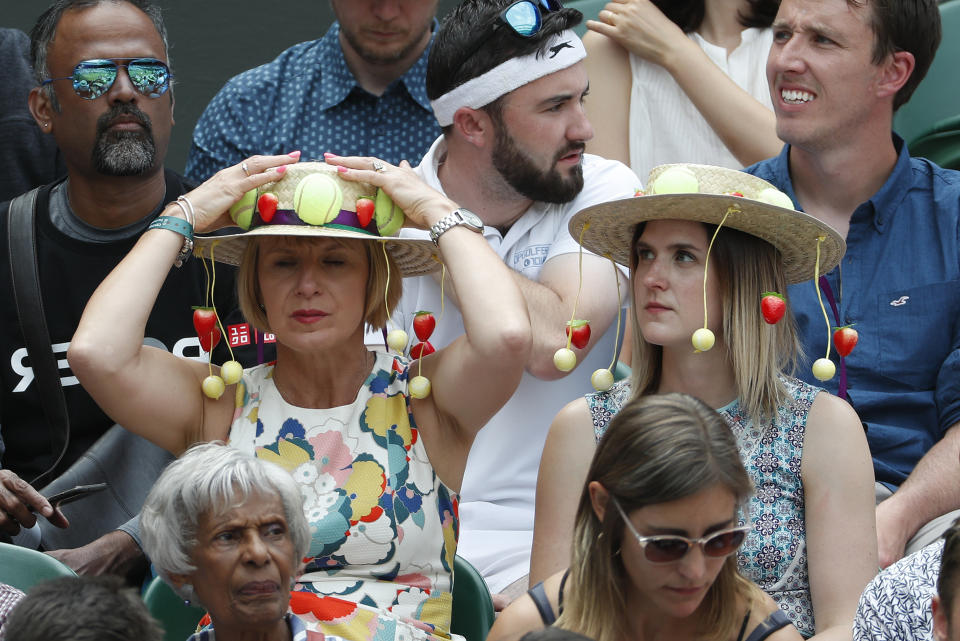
<point x="384" y="527"/>
<point x="774" y="555"/>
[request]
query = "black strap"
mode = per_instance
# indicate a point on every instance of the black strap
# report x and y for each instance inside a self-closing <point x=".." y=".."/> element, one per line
<point x="25" y="274"/>
<point x="743" y="626"/>
<point x="778" y="619"/>
<point x="539" y="596"/>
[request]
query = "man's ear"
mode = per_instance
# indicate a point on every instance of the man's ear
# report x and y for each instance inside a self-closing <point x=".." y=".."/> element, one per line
<point x="598" y="498"/>
<point x="475" y="126"/>
<point x="41" y="108"/>
<point x="894" y="73"/>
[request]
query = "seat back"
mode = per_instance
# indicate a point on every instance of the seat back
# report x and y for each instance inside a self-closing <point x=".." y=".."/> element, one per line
<point x="938" y="96"/>
<point x="178" y="619"/>
<point x="472" y="604"/>
<point x="589" y="8"/>
<point x="23" y="568"/>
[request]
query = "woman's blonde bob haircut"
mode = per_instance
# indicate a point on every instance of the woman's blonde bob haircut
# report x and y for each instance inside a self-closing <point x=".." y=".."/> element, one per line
<point x="377" y="307"/>
<point x="746" y="267"/>
<point x="659" y="448"/>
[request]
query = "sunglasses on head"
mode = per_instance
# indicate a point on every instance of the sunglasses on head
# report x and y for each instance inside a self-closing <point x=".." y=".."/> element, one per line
<point x="668" y="548"/>
<point x="524" y="17"/>
<point x="93" y="78"/>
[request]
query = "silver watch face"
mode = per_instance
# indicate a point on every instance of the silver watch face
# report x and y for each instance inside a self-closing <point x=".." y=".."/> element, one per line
<point x="471" y="219"/>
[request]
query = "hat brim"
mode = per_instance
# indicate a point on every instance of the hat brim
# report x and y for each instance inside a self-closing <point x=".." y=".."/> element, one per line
<point x="610" y="227"/>
<point x="413" y="257"/>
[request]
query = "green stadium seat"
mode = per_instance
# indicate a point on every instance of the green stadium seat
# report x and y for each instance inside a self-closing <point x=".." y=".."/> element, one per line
<point x="23" y="568"/>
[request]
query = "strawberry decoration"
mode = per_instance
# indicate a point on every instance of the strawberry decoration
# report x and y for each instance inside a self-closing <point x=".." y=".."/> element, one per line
<point x="773" y="306"/>
<point x="421" y="349"/>
<point x="267" y="206"/>
<point x="845" y="339"/>
<point x="205" y="324"/>
<point x="424" y="324"/>
<point x="365" y="210"/>
<point x="579" y="332"/>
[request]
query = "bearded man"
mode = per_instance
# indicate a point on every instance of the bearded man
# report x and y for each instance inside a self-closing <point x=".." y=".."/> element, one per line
<point x="511" y="106"/>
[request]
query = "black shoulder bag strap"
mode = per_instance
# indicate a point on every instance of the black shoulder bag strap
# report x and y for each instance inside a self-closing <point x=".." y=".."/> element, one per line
<point x="25" y="274"/>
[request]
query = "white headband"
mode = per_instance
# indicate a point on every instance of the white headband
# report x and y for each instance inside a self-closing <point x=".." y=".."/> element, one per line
<point x="563" y="50"/>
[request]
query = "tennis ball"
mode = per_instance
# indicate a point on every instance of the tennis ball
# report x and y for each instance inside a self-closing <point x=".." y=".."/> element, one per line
<point x="213" y="387"/>
<point x="676" y="180"/>
<point x="564" y="359"/>
<point x="389" y="217"/>
<point x="231" y="372"/>
<point x="703" y="340"/>
<point x="773" y="196"/>
<point x="602" y="380"/>
<point x="317" y="199"/>
<point x="419" y="387"/>
<point x="824" y="369"/>
<point x="242" y="211"/>
<point x="397" y="340"/>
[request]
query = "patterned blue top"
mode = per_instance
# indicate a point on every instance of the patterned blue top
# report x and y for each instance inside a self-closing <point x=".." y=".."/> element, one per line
<point x="774" y="555"/>
<point x="901" y="286"/>
<point x="308" y="99"/>
<point x="895" y="606"/>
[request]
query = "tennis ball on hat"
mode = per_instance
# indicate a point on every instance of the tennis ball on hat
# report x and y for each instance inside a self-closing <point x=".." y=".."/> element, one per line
<point x="389" y="217"/>
<point x="676" y="180"/>
<point x="703" y="340"/>
<point x="564" y="359"/>
<point x="602" y="380"/>
<point x="773" y="196"/>
<point x="824" y="369"/>
<point x="242" y="211"/>
<point x="317" y="199"/>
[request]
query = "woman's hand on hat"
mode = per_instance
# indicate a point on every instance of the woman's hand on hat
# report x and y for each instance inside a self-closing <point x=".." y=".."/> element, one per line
<point x="212" y="200"/>
<point x="641" y="28"/>
<point x="422" y="205"/>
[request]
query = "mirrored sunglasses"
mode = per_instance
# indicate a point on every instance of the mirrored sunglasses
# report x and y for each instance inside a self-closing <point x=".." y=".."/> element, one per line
<point x="524" y="17"/>
<point x="669" y="548"/>
<point x="93" y="78"/>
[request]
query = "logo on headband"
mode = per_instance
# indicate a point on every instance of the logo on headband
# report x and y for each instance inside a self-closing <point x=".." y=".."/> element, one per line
<point x="555" y="49"/>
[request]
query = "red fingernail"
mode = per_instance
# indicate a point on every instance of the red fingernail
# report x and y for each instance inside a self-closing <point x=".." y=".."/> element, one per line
<point x="281" y="169"/>
<point x="342" y="170"/>
<point x="294" y="154"/>
<point x="327" y="154"/>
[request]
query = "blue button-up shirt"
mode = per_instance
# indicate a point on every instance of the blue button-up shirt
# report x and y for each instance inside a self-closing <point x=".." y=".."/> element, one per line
<point x="901" y="286"/>
<point x="308" y="99"/>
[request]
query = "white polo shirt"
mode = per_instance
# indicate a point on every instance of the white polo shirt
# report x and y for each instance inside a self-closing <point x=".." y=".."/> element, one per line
<point x="497" y="496"/>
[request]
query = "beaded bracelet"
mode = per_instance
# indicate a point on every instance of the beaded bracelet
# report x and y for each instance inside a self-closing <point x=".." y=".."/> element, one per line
<point x="180" y="226"/>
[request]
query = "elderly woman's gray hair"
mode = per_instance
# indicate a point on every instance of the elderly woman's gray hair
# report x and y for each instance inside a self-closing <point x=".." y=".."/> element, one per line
<point x="211" y="478"/>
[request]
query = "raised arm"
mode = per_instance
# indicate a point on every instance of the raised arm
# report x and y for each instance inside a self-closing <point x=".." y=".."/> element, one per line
<point x="608" y="68"/>
<point x="147" y="390"/>
<point x="476" y="374"/>
<point x="563" y="469"/>
<point x="745" y="126"/>
<point x="837" y="477"/>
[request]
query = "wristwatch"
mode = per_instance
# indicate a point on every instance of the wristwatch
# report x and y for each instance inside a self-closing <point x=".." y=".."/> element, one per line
<point x="460" y="216"/>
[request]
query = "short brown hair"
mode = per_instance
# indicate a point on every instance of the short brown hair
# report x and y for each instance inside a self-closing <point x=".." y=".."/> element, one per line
<point x="384" y="285"/>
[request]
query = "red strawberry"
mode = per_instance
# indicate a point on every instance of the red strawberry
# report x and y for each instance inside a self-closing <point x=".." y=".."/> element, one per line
<point x="205" y="323"/>
<point x="579" y="332"/>
<point x="267" y="206"/>
<point x="423" y="324"/>
<point x="210" y="340"/>
<point x="773" y="306"/>
<point x="365" y="207"/>
<point x="421" y="349"/>
<point x="845" y="339"/>
<point x="736" y="193"/>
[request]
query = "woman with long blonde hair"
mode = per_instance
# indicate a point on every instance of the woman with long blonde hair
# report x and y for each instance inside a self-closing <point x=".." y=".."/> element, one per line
<point x="701" y="260"/>
<point x="655" y="537"/>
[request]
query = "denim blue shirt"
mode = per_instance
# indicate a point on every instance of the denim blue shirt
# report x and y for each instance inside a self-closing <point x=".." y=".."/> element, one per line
<point x="901" y="286"/>
<point x="308" y="99"/>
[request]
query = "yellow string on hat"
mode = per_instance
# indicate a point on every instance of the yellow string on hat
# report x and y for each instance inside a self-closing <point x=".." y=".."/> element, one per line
<point x="698" y="335"/>
<point x="823" y="368"/>
<point x="616" y="337"/>
<point x="576" y="302"/>
<point x="213" y="284"/>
